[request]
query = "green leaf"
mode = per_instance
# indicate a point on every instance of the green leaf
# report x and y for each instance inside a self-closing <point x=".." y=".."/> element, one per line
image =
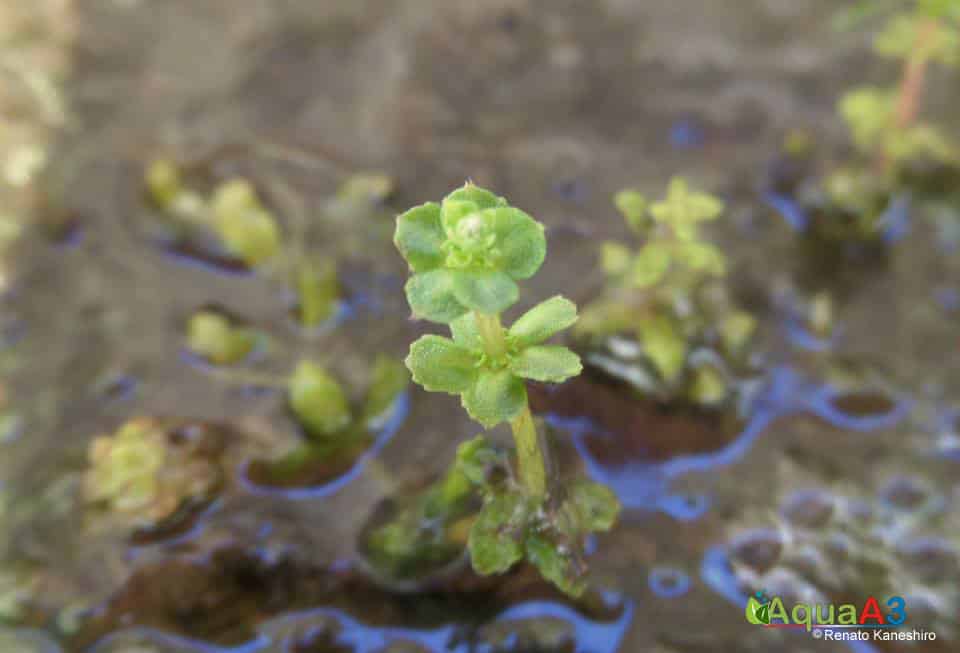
<point x="552" y="363"/>
<point x="465" y="332"/>
<point x="469" y="192"/>
<point x="596" y="505"/>
<point x="650" y="265"/>
<point x="497" y="396"/>
<point x="251" y="235"/>
<point x="683" y="207"/>
<point x="419" y="237"/>
<point x="163" y="182"/>
<point x="318" y="289"/>
<point x="632" y="205"/>
<point x="390" y="378"/>
<point x="211" y="335"/>
<point x="496" y="537"/>
<point x="475" y="458"/>
<point x="441" y="365"/>
<point x="318" y="400"/>
<point x="543" y="320"/>
<point x="615" y="258"/>
<point x="736" y="329"/>
<point x="557" y="565"/>
<point x="664" y="345"/>
<point x="453" y="212"/>
<point x="520" y="241"/>
<point x="431" y="296"/>
<point x="703" y="257"/>
<point x="709" y="386"/>
<point x="486" y="291"/>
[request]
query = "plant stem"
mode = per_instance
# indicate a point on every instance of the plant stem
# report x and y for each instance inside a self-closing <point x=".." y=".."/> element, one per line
<point x="492" y="334"/>
<point x="533" y="472"/>
<point x="911" y="87"/>
<point x="530" y="458"/>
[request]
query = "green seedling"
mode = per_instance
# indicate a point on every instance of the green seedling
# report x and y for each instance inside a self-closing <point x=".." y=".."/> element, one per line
<point x="884" y="123"/>
<point x="665" y="292"/>
<point x="337" y="430"/>
<point x="466" y="256"/>
<point x="214" y="337"/>
<point x="245" y="228"/>
<point x="318" y="292"/>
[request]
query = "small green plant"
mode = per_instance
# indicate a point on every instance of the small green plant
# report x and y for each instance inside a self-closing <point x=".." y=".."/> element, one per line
<point x="466" y="256"/>
<point x="146" y="476"/>
<point x="217" y="339"/>
<point x="884" y="122"/>
<point x="249" y="232"/>
<point x="664" y="292"/>
<point x="337" y="429"/>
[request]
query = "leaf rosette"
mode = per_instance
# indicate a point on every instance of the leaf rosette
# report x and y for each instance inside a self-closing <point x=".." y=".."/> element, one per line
<point x="492" y="388"/>
<point x="467" y="254"/>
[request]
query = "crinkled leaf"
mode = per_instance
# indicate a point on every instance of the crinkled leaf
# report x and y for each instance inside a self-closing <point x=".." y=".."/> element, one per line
<point x="543" y="320"/>
<point x="705" y="257"/>
<point x="632" y="205"/>
<point x="318" y="400"/>
<point x="496" y="538"/>
<point x="441" y="365"/>
<point x="465" y="332"/>
<point x="496" y="396"/>
<point x="596" y="505"/>
<point x="431" y="296"/>
<point x="390" y="378"/>
<point x="557" y="565"/>
<point x="483" y="198"/>
<point x="475" y="457"/>
<point x="520" y="240"/>
<point x="552" y="363"/>
<point x="664" y="345"/>
<point x="419" y="237"/>
<point x="453" y="212"/>
<point x="486" y="291"/>
<point x="650" y="265"/>
<point x="615" y="258"/>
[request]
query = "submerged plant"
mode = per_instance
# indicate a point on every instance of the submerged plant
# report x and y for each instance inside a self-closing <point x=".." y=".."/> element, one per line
<point x="215" y="337"/>
<point x="466" y="256"/>
<point x="337" y="431"/>
<point x="666" y="293"/>
<point x="149" y="472"/>
<point x="246" y="229"/>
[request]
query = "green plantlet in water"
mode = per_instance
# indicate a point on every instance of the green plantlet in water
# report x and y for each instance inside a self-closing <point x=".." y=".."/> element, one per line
<point x="337" y="431"/>
<point x="214" y="337"/>
<point x="466" y="256"/>
<point x="247" y="229"/>
<point x="660" y="291"/>
<point x="318" y="292"/>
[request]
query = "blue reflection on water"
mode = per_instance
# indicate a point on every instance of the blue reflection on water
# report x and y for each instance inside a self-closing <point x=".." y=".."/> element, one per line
<point x="646" y="484"/>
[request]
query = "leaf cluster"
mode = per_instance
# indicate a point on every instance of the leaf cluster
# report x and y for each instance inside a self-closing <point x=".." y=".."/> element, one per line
<point x="491" y="387"/>
<point x="513" y="526"/>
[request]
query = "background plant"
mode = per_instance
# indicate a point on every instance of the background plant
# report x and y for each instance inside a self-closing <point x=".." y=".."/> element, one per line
<point x="664" y="291"/>
<point x="466" y="256"/>
<point x="884" y="122"/>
